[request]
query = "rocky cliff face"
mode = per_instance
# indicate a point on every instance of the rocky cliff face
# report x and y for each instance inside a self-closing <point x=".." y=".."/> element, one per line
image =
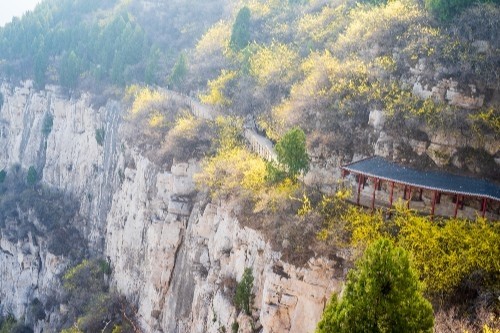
<point x="66" y="155"/>
<point x="454" y="147"/>
<point x="176" y="259"/>
<point x="67" y="158"/>
<point x="189" y="253"/>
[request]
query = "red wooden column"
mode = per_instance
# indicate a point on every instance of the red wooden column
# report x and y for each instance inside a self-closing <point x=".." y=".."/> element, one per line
<point x="360" y="180"/>
<point x="375" y="186"/>
<point x="420" y="195"/>
<point x="409" y="199"/>
<point x="391" y="196"/>
<point x="485" y="201"/>
<point x="434" y="199"/>
<point x="456" y="205"/>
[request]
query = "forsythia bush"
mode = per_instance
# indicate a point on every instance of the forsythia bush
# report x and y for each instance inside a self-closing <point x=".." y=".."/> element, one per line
<point x="144" y="98"/>
<point x="274" y="64"/>
<point x="216" y="95"/>
<point x="216" y="39"/>
<point x="443" y="251"/>
<point x="234" y="171"/>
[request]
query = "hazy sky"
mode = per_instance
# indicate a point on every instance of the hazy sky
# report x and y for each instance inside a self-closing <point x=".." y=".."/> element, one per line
<point x="11" y="8"/>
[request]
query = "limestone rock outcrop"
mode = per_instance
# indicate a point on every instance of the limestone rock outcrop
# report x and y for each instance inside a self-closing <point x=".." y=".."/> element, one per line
<point x="187" y="262"/>
<point x="177" y="259"/>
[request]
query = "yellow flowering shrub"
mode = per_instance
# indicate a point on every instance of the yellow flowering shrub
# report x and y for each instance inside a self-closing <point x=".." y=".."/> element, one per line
<point x="323" y="26"/>
<point x="275" y="63"/>
<point x="232" y="172"/>
<point x="186" y="125"/>
<point x="489" y="118"/>
<point x="215" y="95"/>
<point x="444" y="251"/>
<point x="144" y="98"/>
<point x="369" y="24"/>
<point x="216" y="39"/>
<point x="447" y="252"/>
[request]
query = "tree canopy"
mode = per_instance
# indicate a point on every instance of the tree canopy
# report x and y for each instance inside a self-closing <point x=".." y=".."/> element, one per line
<point x="447" y="9"/>
<point x="32" y="176"/>
<point x="292" y="153"/>
<point x="179" y="71"/>
<point x="383" y="294"/>
<point x="240" y="36"/>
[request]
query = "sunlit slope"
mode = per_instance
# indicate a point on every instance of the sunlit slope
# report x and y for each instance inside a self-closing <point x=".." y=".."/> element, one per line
<point x="325" y="65"/>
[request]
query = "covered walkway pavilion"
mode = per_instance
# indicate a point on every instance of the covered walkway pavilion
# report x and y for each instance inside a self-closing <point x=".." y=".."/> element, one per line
<point x="414" y="182"/>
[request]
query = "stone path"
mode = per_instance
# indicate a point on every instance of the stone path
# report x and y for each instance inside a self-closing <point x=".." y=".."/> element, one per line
<point x="258" y="143"/>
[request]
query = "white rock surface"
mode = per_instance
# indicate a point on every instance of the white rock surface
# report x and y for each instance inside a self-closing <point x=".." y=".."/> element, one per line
<point x="68" y="159"/>
<point x="168" y="258"/>
<point x="27" y="272"/>
<point x="175" y="266"/>
<point x="377" y="119"/>
<point x="173" y="257"/>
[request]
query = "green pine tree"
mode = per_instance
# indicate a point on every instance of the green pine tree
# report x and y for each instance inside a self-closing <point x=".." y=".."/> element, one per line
<point x="382" y="295"/>
<point x="292" y="152"/>
<point x="445" y="10"/>
<point x="240" y="36"/>
<point x="179" y="71"/>
<point x="40" y="67"/>
<point x="152" y="65"/>
<point x="32" y="176"/>
<point x="244" y="297"/>
<point x="69" y="70"/>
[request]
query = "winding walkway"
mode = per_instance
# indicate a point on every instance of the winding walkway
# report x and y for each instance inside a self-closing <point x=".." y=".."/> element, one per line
<point x="258" y="143"/>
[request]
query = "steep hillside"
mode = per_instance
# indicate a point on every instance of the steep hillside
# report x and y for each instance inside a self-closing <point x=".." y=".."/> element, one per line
<point x="326" y="66"/>
<point x="139" y="190"/>
<point x="88" y="44"/>
<point x="321" y="65"/>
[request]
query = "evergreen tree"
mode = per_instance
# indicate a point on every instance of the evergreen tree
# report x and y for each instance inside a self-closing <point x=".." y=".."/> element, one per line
<point x="375" y="2"/>
<point x="40" y="67"/>
<point x="69" y="70"/>
<point x="3" y="175"/>
<point x="32" y="176"/>
<point x="382" y="295"/>
<point x="445" y="10"/>
<point x="244" y="297"/>
<point x="292" y="152"/>
<point x="240" y="36"/>
<point x="118" y="68"/>
<point x="48" y="122"/>
<point x="152" y="65"/>
<point x="40" y="59"/>
<point x="179" y="71"/>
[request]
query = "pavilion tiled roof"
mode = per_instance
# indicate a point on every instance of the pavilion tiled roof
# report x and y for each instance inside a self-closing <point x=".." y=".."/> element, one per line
<point x="377" y="167"/>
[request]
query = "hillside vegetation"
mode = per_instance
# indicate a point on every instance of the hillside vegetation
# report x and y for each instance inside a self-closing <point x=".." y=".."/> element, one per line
<point x="321" y="65"/>
<point x="78" y="44"/>
<point x="306" y="74"/>
<point x="326" y="65"/>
